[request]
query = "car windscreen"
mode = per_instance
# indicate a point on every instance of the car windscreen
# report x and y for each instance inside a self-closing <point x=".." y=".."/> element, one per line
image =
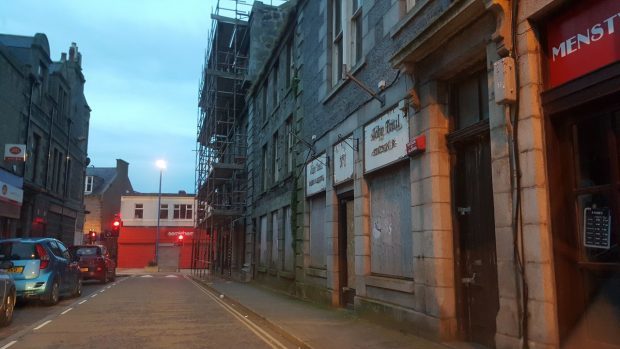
<point x="85" y="251"/>
<point x="12" y="250"/>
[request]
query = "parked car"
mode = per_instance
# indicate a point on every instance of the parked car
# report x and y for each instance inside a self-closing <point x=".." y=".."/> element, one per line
<point x="95" y="262"/>
<point x="42" y="269"/>
<point x="7" y="291"/>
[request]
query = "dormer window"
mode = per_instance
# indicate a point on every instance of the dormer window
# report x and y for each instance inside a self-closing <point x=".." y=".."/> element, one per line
<point x="88" y="185"/>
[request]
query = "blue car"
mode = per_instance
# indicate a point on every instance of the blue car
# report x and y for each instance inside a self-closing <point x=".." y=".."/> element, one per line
<point x="42" y="269"/>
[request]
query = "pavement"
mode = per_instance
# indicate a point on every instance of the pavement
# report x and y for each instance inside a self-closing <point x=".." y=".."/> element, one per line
<point x="311" y="325"/>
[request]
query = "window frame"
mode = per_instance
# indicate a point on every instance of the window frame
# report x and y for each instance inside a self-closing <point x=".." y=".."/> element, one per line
<point x="163" y="210"/>
<point x="138" y="211"/>
<point x="88" y="181"/>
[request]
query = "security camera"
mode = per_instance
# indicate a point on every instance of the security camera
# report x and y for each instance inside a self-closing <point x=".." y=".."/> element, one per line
<point x="313" y="138"/>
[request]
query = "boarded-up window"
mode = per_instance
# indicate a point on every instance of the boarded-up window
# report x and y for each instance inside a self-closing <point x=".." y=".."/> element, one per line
<point x="317" y="232"/>
<point x="263" y="241"/>
<point x="289" y="252"/>
<point x="275" y="236"/>
<point x="391" y="249"/>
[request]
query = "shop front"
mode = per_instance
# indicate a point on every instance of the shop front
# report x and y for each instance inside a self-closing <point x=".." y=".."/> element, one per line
<point x="136" y="247"/>
<point x="582" y="125"/>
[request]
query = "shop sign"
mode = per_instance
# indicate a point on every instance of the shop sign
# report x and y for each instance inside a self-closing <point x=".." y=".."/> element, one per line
<point x="385" y="139"/>
<point x="582" y="39"/>
<point x="177" y="233"/>
<point x="10" y="193"/>
<point x="15" y="152"/>
<point x="316" y="175"/>
<point x="343" y="161"/>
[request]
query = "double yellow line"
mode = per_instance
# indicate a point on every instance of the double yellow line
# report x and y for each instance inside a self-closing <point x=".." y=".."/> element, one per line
<point x="259" y="332"/>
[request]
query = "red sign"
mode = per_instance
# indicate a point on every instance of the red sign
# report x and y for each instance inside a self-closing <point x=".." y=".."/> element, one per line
<point x="582" y="39"/>
<point x="417" y="145"/>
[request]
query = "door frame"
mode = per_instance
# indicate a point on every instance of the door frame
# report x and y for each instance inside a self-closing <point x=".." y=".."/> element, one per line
<point x="342" y="246"/>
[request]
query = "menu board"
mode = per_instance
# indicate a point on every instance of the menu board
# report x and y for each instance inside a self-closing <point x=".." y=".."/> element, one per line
<point x="597" y="227"/>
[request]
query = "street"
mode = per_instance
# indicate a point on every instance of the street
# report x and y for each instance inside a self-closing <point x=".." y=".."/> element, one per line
<point x="164" y="310"/>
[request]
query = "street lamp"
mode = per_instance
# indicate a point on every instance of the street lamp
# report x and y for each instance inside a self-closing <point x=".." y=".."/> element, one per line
<point x="162" y="166"/>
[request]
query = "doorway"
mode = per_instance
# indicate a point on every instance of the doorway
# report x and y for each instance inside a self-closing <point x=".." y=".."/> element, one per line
<point x="477" y="289"/>
<point x="584" y="178"/>
<point x="346" y="253"/>
<point x="473" y="210"/>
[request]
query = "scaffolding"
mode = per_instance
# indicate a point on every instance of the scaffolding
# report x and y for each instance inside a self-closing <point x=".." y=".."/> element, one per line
<point x="221" y="181"/>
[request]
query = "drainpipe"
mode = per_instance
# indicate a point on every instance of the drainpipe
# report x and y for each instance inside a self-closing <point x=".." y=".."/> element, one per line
<point x="516" y="185"/>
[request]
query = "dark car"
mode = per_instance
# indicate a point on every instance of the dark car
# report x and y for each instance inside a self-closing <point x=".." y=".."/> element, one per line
<point x="95" y="262"/>
<point x="42" y="269"/>
<point x="8" y="293"/>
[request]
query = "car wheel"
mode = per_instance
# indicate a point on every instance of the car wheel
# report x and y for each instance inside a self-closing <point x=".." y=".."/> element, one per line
<point x="78" y="288"/>
<point x="113" y="277"/>
<point x="104" y="279"/>
<point x="54" y="294"/>
<point x="7" y="309"/>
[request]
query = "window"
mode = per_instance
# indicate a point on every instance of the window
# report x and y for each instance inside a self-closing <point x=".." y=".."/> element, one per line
<point x="138" y="211"/>
<point x="265" y="181"/>
<point x="163" y="211"/>
<point x="471" y="100"/>
<point x="274" y="84"/>
<point x="346" y="38"/>
<point x="356" y="32"/>
<point x="275" y="236"/>
<point x="289" y="63"/>
<point x="264" y="103"/>
<point x="275" y="169"/>
<point x="36" y="148"/>
<point x="289" y="144"/>
<point x="182" y="211"/>
<point x="337" y="34"/>
<point x="68" y="176"/>
<point x="88" y="187"/>
<point x="409" y="4"/>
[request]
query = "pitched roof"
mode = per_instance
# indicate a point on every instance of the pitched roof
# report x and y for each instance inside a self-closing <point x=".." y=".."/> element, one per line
<point x="103" y="177"/>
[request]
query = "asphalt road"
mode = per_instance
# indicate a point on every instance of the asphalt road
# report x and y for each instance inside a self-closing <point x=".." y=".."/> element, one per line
<point x="142" y="311"/>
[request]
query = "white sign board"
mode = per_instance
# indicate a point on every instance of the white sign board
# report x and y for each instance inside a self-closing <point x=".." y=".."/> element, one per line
<point x="385" y="139"/>
<point x="316" y="175"/>
<point x="343" y="160"/>
<point x="15" y="152"/>
<point x="11" y="193"/>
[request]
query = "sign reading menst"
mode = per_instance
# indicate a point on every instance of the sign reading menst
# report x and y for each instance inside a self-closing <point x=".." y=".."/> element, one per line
<point x="582" y="39"/>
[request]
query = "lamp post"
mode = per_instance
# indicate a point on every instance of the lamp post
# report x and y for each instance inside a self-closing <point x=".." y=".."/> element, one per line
<point x="162" y="165"/>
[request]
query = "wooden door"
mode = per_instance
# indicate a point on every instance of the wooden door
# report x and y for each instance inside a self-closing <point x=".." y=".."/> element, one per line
<point x="477" y="263"/>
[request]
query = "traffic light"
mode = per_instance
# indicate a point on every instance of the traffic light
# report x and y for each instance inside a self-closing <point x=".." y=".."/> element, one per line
<point x="116" y="225"/>
<point x="92" y="236"/>
<point x="179" y="241"/>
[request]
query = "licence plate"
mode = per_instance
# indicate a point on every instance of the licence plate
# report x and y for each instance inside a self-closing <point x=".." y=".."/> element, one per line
<point x="15" y="270"/>
<point x="84" y="269"/>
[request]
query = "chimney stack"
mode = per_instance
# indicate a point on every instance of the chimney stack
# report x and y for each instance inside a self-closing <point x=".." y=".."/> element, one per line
<point x="63" y="57"/>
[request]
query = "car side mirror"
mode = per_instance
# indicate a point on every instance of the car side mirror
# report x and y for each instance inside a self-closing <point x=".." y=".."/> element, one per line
<point x="6" y="265"/>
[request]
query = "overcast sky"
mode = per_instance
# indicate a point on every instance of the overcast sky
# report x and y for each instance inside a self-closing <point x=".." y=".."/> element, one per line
<point x="142" y="61"/>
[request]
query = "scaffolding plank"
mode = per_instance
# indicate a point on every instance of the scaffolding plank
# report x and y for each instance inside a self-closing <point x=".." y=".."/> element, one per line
<point x="222" y="74"/>
<point x="229" y="20"/>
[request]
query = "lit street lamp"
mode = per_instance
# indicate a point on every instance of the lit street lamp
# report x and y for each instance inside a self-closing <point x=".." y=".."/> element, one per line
<point x="162" y="165"/>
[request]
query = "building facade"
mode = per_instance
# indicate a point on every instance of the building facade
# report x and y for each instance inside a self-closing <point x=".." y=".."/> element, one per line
<point x="146" y="238"/>
<point x="272" y="118"/>
<point x="48" y="119"/>
<point x="103" y="188"/>
<point x="457" y="167"/>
